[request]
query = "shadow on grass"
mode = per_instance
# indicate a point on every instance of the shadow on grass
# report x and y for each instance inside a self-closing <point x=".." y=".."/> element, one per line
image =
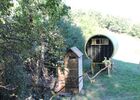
<point x="123" y="85"/>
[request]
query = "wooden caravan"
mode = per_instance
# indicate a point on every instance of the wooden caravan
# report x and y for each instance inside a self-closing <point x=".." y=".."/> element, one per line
<point x="101" y="45"/>
<point x="70" y="77"/>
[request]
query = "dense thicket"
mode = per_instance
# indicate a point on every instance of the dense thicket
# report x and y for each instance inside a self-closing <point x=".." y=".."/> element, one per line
<point x="34" y="36"/>
<point x="28" y="34"/>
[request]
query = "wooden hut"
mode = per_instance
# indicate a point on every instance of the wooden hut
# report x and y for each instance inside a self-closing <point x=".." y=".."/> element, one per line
<point x="99" y="46"/>
<point x="70" y="77"/>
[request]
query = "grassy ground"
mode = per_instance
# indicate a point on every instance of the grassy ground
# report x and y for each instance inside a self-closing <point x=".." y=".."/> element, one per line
<point x="123" y="85"/>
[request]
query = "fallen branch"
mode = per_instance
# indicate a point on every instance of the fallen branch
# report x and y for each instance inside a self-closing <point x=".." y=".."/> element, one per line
<point x="8" y="87"/>
<point x="1" y="86"/>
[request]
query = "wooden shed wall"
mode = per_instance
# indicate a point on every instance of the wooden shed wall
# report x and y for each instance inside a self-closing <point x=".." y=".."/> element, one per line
<point x="72" y="77"/>
<point x="68" y="78"/>
<point x="80" y="77"/>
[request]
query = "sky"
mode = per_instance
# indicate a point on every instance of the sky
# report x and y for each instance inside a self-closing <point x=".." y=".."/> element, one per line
<point x="123" y="8"/>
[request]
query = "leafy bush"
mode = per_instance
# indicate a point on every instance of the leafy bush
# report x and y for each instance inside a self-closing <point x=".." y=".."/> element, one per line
<point x="73" y="36"/>
<point x="135" y="30"/>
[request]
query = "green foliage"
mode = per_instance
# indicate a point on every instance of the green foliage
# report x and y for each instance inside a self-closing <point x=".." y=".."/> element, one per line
<point x="115" y="24"/>
<point x="87" y="21"/>
<point x="5" y="6"/>
<point x="16" y="75"/>
<point x="23" y="29"/>
<point x="22" y="26"/>
<point x="94" y="22"/>
<point x="72" y="34"/>
<point x="135" y="30"/>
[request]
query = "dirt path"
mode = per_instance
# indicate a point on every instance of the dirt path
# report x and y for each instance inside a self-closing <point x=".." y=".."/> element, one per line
<point x="129" y="48"/>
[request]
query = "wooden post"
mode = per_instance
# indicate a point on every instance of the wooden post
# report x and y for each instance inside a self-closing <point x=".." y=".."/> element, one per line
<point x="93" y="65"/>
<point x="109" y="74"/>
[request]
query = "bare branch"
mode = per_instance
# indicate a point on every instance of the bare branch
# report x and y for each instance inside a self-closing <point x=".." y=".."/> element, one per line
<point x="8" y="87"/>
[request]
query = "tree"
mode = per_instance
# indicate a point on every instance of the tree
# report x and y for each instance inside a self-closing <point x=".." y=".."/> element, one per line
<point x="72" y="34"/>
<point x="27" y="25"/>
<point x="135" y="30"/>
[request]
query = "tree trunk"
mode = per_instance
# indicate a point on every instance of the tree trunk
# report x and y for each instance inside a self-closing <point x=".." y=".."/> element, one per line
<point x="42" y="56"/>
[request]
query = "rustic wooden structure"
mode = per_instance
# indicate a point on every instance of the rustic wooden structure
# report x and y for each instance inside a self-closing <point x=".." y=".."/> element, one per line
<point x="70" y="76"/>
<point x="99" y="46"/>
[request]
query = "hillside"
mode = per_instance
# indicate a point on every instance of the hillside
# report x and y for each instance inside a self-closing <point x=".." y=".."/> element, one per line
<point x="129" y="48"/>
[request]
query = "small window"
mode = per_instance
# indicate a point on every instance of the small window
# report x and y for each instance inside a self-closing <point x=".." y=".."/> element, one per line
<point x="93" y="42"/>
<point x="96" y="41"/>
<point x="100" y="41"/>
<point x="105" y="41"/>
